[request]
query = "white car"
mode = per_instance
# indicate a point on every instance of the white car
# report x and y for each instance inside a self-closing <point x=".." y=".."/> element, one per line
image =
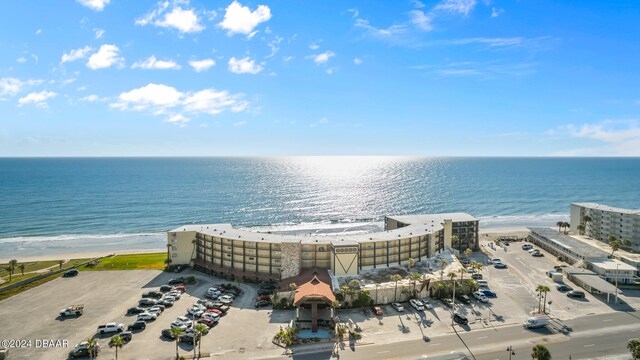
<point x="185" y="320"/>
<point x="226" y="299"/>
<point x="213" y="290"/>
<point x="178" y="325"/>
<point x="147" y="316"/>
<point x="416" y="304"/>
<point x="496" y="261"/>
<point x="427" y="304"/>
<point x="200" y="306"/>
<point x="174" y="294"/>
<point x="155" y="310"/>
<point x="212" y="316"/>
<point x="398" y="307"/>
<point x="532" y="250"/>
<point x="195" y="311"/>
<point x="480" y="297"/>
<point x="170" y="298"/>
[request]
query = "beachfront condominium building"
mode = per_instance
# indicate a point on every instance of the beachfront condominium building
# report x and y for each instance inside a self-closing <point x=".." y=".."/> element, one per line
<point x="604" y="221"/>
<point x="220" y="248"/>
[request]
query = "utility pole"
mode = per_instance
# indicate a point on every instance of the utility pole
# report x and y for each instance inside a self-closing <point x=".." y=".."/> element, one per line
<point x="617" y="275"/>
<point x="511" y="352"/>
<point x="453" y="301"/>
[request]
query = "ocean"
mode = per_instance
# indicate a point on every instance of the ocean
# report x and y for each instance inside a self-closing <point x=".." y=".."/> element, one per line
<point x="63" y="205"/>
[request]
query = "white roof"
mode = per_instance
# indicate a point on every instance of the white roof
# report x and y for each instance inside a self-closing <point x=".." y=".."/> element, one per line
<point x="612" y="264"/>
<point x="420" y="225"/>
<point x="608" y="208"/>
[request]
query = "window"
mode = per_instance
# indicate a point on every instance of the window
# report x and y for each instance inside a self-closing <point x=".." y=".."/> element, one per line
<point x="174" y="255"/>
<point x="251" y="258"/>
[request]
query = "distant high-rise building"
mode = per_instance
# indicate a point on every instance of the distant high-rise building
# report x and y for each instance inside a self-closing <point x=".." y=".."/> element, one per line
<point x="603" y="221"/>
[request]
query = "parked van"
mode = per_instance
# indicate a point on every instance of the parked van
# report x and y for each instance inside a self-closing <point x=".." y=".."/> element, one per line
<point x="482" y="283"/>
<point x="536" y="322"/>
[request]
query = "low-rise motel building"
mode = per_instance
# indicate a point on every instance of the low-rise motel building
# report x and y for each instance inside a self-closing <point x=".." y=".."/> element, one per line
<point x="221" y="248"/>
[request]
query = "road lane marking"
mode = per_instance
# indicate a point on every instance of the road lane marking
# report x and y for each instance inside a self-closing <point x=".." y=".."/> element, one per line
<point x="482" y="337"/>
<point x="590" y="345"/>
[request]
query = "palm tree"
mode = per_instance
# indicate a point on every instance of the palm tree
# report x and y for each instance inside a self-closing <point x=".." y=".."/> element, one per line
<point x="468" y="252"/>
<point x="443" y="263"/>
<point x="292" y="287"/>
<point x="634" y="347"/>
<point x="21" y="267"/>
<point x="116" y="342"/>
<point x="414" y="277"/>
<point x="566" y="227"/>
<point x="541" y="289"/>
<point x="586" y="219"/>
<point x="200" y="329"/>
<point x="580" y="229"/>
<point x="12" y="267"/>
<point x="396" y="278"/>
<point x="355" y="284"/>
<point x="347" y="291"/>
<point x="334" y="305"/>
<point x="560" y="224"/>
<point x="540" y="352"/>
<point x="544" y="290"/>
<point x="616" y="244"/>
<point x="176" y="332"/>
<point x="92" y="346"/>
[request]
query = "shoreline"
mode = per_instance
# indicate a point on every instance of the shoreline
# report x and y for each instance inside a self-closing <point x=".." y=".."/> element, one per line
<point x="93" y="253"/>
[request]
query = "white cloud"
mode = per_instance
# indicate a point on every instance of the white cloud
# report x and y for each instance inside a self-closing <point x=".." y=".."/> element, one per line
<point x="417" y="4"/>
<point x="617" y="138"/>
<point x="239" y="123"/>
<point x="355" y="13"/>
<point x="314" y="46"/>
<point x="495" y="12"/>
<point x="456" y="6"/>
<point x="240" y="19"/>
<point x="37" y="98"/>
<point x="106" y="56"/>
<point x="357" y="61"/>
<point x="323" y="57"/>
<point x="390" y="31"/>
<point x="178" y="118"/>
<point x="21" y="59"/>
<point x="159" y="99"/>
<point x="151" y="63"/>
<point x="420" y="20"/>
<point x="493" y="42"/>
<point x="244" y="66"/>
<point x="99" y="33"/>
<point x="12" y="86"/>
<point x="97" y="5"/>
<point x="39" y="31"/>
<point x="76" y="54"/>
<point x="319" y="122"/>
<point x="202" y="65"/>
<point x="288" y="58"/>
<point x="184" y="20"/>
<point x="94" y="98"/>
<point x="274" y="46"/>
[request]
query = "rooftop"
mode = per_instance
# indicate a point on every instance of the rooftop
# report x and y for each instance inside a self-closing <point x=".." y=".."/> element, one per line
<point x="565" y="241"/>
<point x="420" y="225"/>
<point x="605" y="247"/>
<point x="608" y="208"/>
<point x="612" y="264"/>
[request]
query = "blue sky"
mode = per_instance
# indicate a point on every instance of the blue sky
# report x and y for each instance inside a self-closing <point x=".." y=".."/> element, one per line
<point x="430" y="78"/>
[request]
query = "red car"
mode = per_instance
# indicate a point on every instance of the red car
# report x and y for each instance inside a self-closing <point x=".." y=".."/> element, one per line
<point x="207" y="322"/>
<point x="215" y="311"/>
<point x="181" y="288"/>
<point x="376" y="310"/>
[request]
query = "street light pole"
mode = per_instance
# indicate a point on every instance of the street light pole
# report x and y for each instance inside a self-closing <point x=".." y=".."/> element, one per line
<point x="617" y="275"/>
<point x="453" y="301"/>
<point x="511" y="352"/>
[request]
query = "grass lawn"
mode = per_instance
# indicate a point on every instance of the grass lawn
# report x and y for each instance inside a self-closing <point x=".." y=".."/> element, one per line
<point x="20" y="289"/>
<point x="37" y="265"/>
<point x="153" y="261"/>
<point x="30" y="266"/>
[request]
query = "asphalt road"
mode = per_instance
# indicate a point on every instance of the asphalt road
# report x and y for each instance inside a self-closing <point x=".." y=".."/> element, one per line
<point x="586" y="337"/>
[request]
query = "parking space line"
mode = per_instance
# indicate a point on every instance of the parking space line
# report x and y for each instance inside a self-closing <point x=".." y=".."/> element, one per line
<point x="590" y="345"/>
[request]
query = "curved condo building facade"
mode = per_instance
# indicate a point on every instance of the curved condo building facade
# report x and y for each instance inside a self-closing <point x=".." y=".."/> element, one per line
<point x="222" y="248"/>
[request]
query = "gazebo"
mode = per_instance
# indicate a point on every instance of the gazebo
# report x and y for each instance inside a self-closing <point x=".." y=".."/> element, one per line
<point x="315" y="293"/>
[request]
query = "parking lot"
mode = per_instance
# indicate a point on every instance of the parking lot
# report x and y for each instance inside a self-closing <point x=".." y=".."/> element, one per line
<point x="243" y="332"/>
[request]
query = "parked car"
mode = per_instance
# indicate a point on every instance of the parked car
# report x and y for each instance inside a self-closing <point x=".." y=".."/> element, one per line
<point x="460" y="319"/>
<point x="500" y="266"/>
<point x="464" y="299"/>
<point x="225" y="299"/>
<point x="73" y="310"/>
<point x="563" y="287"/>
<point x="532" y="250"/>
<point x="527" y="246"/>
<point x="165" y="302"/>
<point x="146" y="302"/>
<point x="215" y="311"/>
<point x="537" y="254"/>
<point x="264" y="297"/>
<point x="176" y="281"/>
<point x="126" y="336"/>
<point x="178" y="325"/>
<point x="174" y="294"/>
<point x="220" y="306"/>
<point x="181" y="288"/>
<point x="465" y="261"/>
<point x="168" y="334"/>
<point x="207" y="322"/>
<point x="197" y="312"/>
<point x="478" y="295"/>
<point x="155" y="310"/>
<point x="575" y="294"/>
<point x="488" y="293"/>
<point x="476" y="276"/>
<point x="211" y="315"/>
<point x="427" y="304"/>
<point x="110" y="327"/>
<point x="189" y="338"/>
<point x="70" y="273"/>
<point x="261" y="303"/>
<point x="185" y="320"/>
<point x="398" y="307"/>
<point x="80" y="350"/>
<point x="166" y="288"/>
<point x="377" y="310"/>
<point x="447" y="302"/>
<point x="152" y="294"/>
<point x="266" y="292"/>
<point x="135" y="310"/>
<point x="147" y="316"/>
<point x="416" y="304"/>
<point x="212" y="296"/>
<point x="138" y="325"/>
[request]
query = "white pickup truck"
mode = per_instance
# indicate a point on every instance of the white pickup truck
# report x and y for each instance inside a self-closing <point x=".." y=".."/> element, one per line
<point x="73" y="310"/>
<point x="110" y="327"/>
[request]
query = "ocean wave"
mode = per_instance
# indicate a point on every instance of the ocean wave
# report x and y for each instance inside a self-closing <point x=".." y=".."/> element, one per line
<point x="83" y="237"/>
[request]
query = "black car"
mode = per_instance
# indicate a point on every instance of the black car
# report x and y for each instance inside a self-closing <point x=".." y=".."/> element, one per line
<point x="80" y="352"/>
<point x="464" y="298"/>
<point x="563" y="287"/>
<point x="575" y="294"/>
<point x="70" y="273"/>
<point x="126" y="336"/>
<point x="168" y="334"/>
<point x="147" y="302"/>
<point x="460" y="319"/>
<point x="263" y="303"/>
<point x="166" y="288"/>
<point x="138" y="325"/>
<point x="189" y="338"/>
<point x="164" y="303"/>
<point x="135" y="310"/>
<point x="152" y="294"/>
<point x="176" y="281"/>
